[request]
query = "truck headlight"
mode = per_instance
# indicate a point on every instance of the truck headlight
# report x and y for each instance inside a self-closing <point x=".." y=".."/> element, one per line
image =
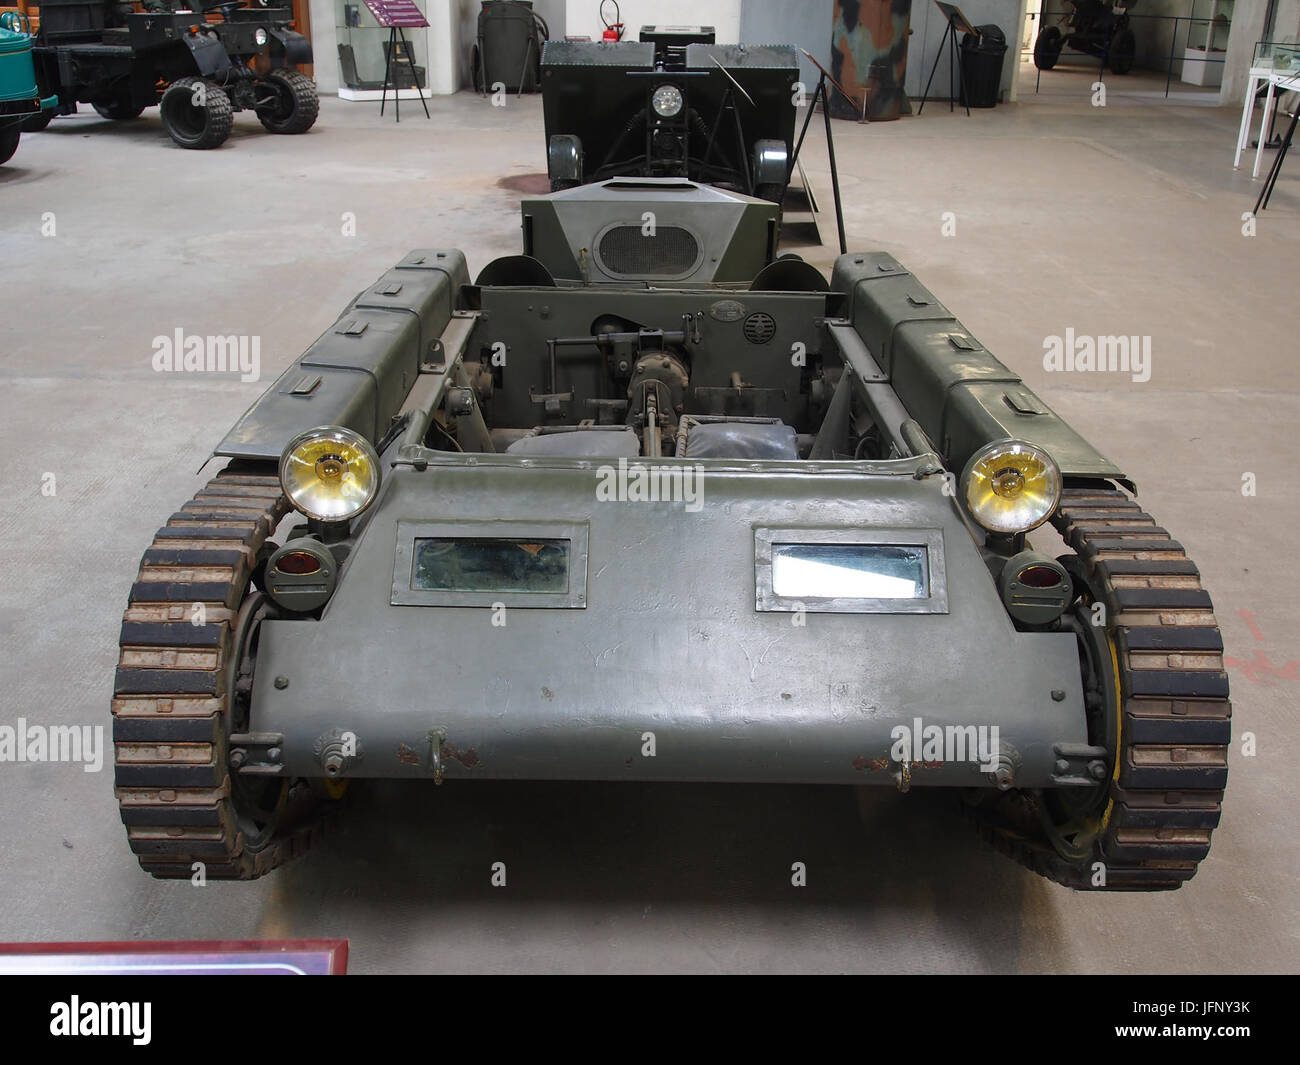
<point x="330" y="473"/>
<point x="259" y="37"/>
<point x="1010" y="486"/>
<point x="667" y="101"/>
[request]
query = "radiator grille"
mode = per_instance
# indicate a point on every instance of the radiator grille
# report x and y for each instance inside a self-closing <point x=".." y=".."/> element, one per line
<point x="671" y="252"/>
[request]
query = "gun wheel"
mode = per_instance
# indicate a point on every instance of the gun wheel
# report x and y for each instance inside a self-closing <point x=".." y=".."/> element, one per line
<point x="1047" y="49"/>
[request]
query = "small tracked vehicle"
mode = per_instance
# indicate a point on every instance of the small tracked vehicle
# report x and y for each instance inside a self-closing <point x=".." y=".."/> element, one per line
<point x="646" y="502"/>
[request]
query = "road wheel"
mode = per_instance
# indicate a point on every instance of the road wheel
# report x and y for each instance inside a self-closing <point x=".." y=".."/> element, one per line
<point x="9" y="136"/>
<point x="196" y="114"/>
<point x="1123" y="50"/>
<point x="37" y="122"/>
<point x="1047" y="49"/>
<point x="291" y="105"/>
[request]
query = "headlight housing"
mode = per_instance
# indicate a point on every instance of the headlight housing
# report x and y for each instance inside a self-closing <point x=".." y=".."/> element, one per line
<point x="1010" y="486"/>
<point x="667" y="101"/>
<point x="330" y="473"/>
<point x="259" y="37"/>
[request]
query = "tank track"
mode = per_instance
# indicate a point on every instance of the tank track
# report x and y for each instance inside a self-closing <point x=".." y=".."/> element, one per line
<point x="170" y="699"/>
<point x="1166" y="791"/>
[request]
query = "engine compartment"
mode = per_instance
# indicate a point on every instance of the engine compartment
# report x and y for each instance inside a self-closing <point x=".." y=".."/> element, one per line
<point x="657" y="373"/>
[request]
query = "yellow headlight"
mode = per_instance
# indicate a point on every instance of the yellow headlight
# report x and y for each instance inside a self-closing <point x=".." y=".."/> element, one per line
<point x="330" y="473"/>
<point x="1011" y="487"/>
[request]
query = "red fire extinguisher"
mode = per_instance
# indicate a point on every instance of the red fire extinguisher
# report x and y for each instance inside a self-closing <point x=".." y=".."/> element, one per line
<point x="613" y="30"/>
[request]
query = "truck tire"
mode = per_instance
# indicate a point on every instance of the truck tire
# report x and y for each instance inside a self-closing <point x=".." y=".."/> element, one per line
<point x="37" y="122"/>
<point x="9" y="136"/>
<point x="1047" y="49"/>
<point x="294" y="106"/>
<point x="196" y="125"/>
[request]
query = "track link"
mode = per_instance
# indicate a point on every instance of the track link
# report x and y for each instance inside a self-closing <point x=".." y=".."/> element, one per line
<point x="170" y="700"/>
<point x="1166" y="791"/>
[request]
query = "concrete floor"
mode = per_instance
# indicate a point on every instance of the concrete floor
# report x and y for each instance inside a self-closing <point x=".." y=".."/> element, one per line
<point x="1118" y="220"/>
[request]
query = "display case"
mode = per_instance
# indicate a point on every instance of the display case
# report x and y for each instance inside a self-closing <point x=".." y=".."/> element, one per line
<point x="1278" y="55"/>
<point x="363" y="47"/>
<point x="1207" y="42"/>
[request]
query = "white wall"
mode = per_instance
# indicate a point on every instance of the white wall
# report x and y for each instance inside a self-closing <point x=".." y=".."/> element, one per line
<point x="1247" y="30"/>
<point x="582" y="17"/>
<point x="324" y="46"/>
<point x="443" y="75"/>
<point x="803" y="23"/>
<point x="1286" y="24"/>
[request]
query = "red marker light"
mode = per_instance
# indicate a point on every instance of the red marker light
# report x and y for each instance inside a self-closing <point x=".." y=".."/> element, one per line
<point x="298" y="562"/>
<point x="1039" y="577"/>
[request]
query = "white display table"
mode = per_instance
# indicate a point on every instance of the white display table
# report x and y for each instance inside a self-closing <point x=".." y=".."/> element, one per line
<point x="1286" y="81"/>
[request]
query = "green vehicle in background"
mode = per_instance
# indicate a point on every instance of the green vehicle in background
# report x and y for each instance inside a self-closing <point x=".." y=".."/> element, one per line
<point x="19" y="97"/>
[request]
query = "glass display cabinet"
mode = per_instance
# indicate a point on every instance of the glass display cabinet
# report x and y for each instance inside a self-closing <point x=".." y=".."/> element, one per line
<point x="1207" y="42"/>
<point x="363" y="47"/>
<point x="1278" y="55"/>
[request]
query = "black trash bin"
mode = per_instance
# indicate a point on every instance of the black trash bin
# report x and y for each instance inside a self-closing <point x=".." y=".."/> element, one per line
<point x="508" y="50"/>
<point x="981" y="61"/>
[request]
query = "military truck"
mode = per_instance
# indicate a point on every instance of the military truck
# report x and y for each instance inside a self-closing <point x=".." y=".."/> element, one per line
<point x="670" y="105"/>
<point x="198" y="72"/>
<point x="20" y="100"/>
<point x="646" y="502"/>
